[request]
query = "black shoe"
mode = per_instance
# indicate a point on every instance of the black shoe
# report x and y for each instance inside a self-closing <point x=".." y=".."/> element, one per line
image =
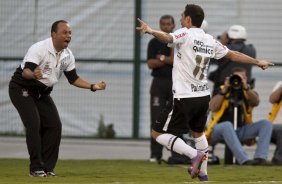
<point x="256" y="162"/>
<point x="248" y="162"/>
<point x="276" y="162"/>
<point x="40" y="173"/>
<point x="260" y="161"/>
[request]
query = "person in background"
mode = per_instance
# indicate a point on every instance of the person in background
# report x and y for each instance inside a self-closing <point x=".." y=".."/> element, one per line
<point x="236" y="93"/>
<point x="234" y="39"/>
<point x="160" y="61"/>
<point x="205" y="26"/>
<point x="275" y="116"/>
<point x="30" y="89"/>
<point x="224" y="38"/>
<point x="193" y="48"/>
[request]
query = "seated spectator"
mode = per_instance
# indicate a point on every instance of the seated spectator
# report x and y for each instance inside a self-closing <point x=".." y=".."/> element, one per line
<point x="276" y="117"/>
<point x="225" y="127"/>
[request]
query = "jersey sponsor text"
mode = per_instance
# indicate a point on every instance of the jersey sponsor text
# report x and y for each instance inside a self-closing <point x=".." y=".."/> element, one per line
<point x="196" y="88"/>
<point x="199" y="46"/>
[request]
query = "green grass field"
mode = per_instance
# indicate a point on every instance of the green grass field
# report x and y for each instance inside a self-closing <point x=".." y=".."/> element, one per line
<point x="15" y="171"/>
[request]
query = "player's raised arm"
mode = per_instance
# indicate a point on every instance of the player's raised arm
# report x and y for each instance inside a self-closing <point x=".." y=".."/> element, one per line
<point x="160" y="35"/>
<point x="243" y="58"/>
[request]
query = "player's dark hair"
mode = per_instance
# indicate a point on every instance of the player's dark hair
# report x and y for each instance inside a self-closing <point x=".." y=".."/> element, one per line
<point x="54" y="27"/>
<point x="196" y="13"/>
<point x="167" y="17"/>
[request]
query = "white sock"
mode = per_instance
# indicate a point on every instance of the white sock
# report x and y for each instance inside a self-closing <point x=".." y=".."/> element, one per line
<point x="202" y="145"/>
<point x="179" y="145"/>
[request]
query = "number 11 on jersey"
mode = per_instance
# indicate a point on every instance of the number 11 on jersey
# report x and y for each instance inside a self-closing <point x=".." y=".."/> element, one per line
<point x="199" y="59"/>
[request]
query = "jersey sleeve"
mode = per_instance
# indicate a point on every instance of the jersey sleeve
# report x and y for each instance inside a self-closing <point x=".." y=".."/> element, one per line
<point x="71" y="64"/>
<point x="33" y="55"/>
<point x="220" y="50"/>
<point x="179" y="36"/>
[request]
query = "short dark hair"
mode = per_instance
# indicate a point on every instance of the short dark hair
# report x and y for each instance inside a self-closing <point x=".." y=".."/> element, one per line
<point x="196" y="13"/>
<point x="54" y="27"/>
<point x="167" y="17"/>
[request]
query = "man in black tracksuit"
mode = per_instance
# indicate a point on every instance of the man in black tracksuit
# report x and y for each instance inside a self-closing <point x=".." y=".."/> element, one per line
<point x="160" y="60"/>
<point x="30" y="89"/>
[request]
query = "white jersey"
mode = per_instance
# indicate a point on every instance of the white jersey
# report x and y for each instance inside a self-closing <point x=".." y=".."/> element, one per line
<point x="44" y="55"/>
<point x="192" y="53"/>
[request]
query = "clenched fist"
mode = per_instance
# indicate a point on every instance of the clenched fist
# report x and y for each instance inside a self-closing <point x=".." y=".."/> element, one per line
<point x="37" y="73"/>
<point x="100" y="86"/>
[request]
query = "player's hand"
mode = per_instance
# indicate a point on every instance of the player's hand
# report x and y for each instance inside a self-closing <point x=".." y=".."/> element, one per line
<point x="144" y="28"/>
<point x="263" y="64"/>
<point x="100" y="86"/>
<point x="37" y="73"/>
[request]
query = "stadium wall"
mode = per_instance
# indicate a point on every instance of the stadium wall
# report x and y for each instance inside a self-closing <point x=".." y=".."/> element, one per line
<point x="103" y="32"/>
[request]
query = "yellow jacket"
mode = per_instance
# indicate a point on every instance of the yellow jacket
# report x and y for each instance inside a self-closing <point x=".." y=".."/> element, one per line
<point x="274" y="110"/>
<point x="247" y="110"/>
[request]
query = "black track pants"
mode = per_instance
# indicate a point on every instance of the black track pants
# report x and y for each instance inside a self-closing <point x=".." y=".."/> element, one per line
<point x="42" y="125"/>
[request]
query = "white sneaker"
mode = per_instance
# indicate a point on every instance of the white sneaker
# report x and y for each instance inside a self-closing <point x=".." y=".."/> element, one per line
<point x="153" y="160"/>
<point x="37" y="174"/>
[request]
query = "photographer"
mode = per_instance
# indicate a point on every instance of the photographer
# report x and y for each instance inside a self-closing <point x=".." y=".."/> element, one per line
<point x="234" y="39"/>
<point x="237" y="93"/>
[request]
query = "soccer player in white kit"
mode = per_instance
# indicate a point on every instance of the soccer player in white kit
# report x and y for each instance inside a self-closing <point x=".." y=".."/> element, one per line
<point x="193" y="50"/>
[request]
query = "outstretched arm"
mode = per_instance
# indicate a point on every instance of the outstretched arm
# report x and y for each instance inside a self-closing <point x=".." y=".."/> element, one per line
<point x="160" y="35"/>
<point x="243" y="58"/>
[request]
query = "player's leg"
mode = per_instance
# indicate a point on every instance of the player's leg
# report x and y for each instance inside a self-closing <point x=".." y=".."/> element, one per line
<point x="196" y="113"/>
<point x="174" y="143"/>
<point x="175" y="124"/>
<point x="169" y="117"/>
<point x="51" y="132"/>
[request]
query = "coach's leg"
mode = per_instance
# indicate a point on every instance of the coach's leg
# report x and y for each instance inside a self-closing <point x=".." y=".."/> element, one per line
<point x="51" y="132"/>
<point x="28" y="112"/>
